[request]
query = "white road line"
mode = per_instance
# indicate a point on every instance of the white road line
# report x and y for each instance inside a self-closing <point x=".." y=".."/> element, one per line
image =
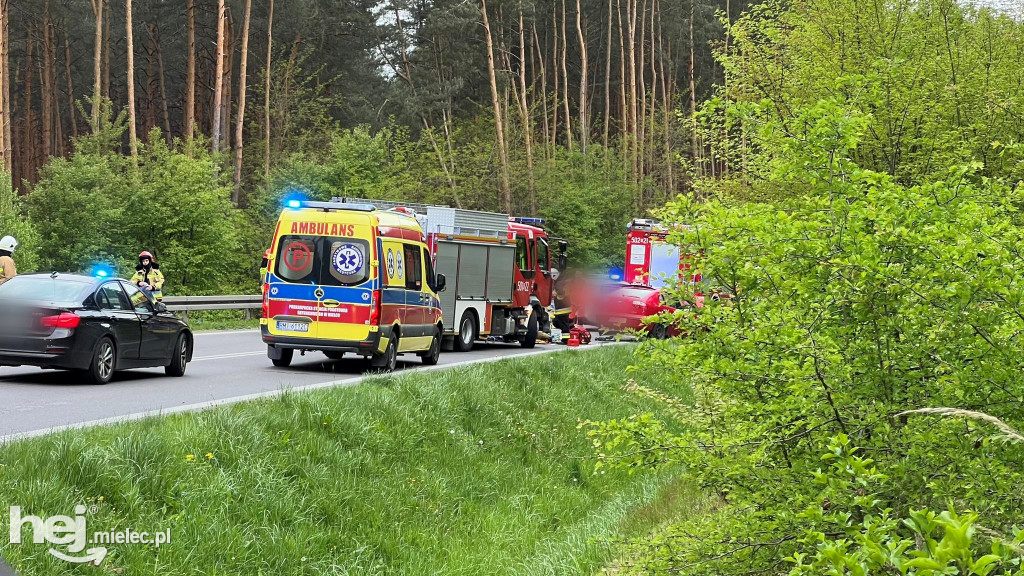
<point x="226" y="332"/>
<point x="225" y="356"/>
<point x="271" y="394"/>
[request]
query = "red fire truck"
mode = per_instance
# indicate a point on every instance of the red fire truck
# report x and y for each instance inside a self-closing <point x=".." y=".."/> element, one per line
<point x="498" y="271"/>
<point x="650" y="259"/>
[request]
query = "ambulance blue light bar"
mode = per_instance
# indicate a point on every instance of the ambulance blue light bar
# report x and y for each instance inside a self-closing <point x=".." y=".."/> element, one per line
<point x="529" y="221"/>
<point x="328" y="206"/>
<point x="295" y="203"/>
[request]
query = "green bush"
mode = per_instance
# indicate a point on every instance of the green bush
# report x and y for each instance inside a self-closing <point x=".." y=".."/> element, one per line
<point x="14" y="222"/>
<point x="855" y="301"/>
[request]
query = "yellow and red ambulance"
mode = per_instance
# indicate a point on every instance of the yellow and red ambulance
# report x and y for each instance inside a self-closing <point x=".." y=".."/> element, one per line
<point x="349" y="278"/>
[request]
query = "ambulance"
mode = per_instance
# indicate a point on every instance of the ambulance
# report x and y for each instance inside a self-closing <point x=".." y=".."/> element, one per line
<point x="349" y="278"/>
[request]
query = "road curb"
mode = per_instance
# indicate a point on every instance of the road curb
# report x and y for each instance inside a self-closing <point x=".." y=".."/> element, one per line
<point x="199" y="407"/>
<point x="4" y="570"/>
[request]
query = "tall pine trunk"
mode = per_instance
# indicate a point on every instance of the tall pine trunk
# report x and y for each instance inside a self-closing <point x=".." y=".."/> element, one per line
<point x="608" y="80"/>
<point x="266" y="94"/>
<point x="235" y="196"/>
<point x="163" y="88"/>
<point x="506" y="184"/>
<point x="190" y="72"/>
<point x="565" y="81"/>
<point x="218" y="75"/>
<point x="71" y="89"/>
<point x="524" y="109"/>
<point x="133" y="145"/>
<point x="97" y="70"/>
<point x="5" y="86"/>
<point x="584" y="78"/>
<point x="693" y="100"/>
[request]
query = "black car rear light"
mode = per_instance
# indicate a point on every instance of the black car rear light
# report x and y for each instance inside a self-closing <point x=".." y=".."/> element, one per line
<point x="64" y="320"/>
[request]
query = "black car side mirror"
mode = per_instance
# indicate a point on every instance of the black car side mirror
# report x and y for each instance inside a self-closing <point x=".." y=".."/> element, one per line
<point x="440" y="282"/>
<point x="160" y="307"/>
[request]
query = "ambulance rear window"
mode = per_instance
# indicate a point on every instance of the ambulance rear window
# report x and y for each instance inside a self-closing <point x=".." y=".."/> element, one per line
<point x="323" y="260"/>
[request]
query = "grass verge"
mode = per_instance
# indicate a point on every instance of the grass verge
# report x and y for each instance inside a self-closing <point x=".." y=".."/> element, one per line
<point x="480" y="470"/>
<point x="222" y="320"/>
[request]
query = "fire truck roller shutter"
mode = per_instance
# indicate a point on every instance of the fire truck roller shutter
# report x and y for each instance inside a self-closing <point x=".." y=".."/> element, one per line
<point x="447" y="264"/>
<point x="472" y="268"/>
<point x="500" y="273"/>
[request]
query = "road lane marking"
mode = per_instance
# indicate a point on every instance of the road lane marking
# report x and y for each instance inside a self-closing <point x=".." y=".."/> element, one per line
<point x="345" y="382"/>
<point x="226" y="356"/>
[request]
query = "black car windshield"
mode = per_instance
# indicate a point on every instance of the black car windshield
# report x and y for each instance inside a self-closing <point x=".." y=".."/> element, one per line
<point x="44" y="289"/>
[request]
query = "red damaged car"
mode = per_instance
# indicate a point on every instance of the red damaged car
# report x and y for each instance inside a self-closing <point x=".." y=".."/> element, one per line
<point x="626" y="308"/>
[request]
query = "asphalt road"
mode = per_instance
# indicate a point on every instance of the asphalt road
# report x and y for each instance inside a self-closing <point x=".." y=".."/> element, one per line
<point x="226" y="367"/>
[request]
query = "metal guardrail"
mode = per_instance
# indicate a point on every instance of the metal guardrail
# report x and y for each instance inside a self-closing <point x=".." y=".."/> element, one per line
<point x="186" y="304"/>
<point x="189" y="303"/>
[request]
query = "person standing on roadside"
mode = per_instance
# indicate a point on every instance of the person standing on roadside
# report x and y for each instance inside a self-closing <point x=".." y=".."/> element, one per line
<point x="148" y="276"/>
<point x="7" y="268"/>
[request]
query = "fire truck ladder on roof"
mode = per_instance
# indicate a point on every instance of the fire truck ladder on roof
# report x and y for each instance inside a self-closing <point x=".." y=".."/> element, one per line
<point x="444" y="220"/>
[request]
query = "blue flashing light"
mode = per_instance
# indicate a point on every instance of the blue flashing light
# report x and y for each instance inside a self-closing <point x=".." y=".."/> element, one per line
<point x="295" y="203"/>
<point x="102" y="271"/>
<point x="615" y="274"/>
<point x="529" y="221"/>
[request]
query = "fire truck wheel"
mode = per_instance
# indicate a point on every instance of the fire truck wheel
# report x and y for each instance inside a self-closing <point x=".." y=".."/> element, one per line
<point x="467" y="332"/>
<point x="432" y="356"/>
<point x="532" y="329"/>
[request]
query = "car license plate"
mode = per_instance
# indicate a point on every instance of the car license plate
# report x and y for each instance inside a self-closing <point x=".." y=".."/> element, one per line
<point x="293" y="326"/>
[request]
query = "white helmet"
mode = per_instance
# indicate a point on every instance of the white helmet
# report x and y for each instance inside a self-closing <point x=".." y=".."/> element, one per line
<point x="8" y="243"/>
<point x="555" y="273"/>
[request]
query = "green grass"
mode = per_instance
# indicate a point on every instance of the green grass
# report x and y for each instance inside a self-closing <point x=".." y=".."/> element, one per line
<point x="222" y="320"/>
<point x="480" y="470"/>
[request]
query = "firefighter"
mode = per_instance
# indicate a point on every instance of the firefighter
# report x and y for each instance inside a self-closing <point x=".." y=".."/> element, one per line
<point x="148" y="276"/>
<point x="560" y="303"/>
<point x="7" y="268"/>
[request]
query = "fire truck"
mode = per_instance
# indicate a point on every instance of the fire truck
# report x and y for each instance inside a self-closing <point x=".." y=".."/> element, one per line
<point x="650" y="259"/>
<point x="498" y="270"/>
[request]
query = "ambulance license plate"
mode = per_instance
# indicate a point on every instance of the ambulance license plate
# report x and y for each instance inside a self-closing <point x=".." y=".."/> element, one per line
<point x="293" y="326"/>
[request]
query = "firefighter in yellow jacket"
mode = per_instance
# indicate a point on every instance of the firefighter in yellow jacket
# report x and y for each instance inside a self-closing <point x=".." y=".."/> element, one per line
<point x="7" y="268"/>
<point x="148" y="276"/>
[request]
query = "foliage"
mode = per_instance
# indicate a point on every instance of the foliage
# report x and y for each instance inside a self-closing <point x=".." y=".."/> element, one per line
<point x="96" y="207"/>
<point x="14" y="223"/>
<point x="856" y="299"/>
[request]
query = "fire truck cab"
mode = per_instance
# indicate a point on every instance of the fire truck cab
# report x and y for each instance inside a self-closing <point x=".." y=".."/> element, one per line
<point x="650" y="259"/>
<point x="498" y="270"/>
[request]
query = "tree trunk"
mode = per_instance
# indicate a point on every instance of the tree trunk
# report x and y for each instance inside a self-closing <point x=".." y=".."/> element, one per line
<point x="543" y="88"/>
<point x="584" y="112"/>
<point x="150" y="107"/>
<point x="608" y="80"/>
<point x="266" y="94"/>
<point x="106" y="50"/>
<point x="235" y="197"/>
<point x="623" y="85"/>
<point x="654" y="91"/>
<point x="631" y="17"/>
<point x="229" y="67"/>
<point x="5" y="88"/>
<point x="97" y="69"/>
<point x="218" y="89"/>
<point x="163" y="86"/>
<point x="565" y="81"/>
<point x="28" y="134"/>
<point x="698" y="168"/>
<point x="641" y="133"/>
<point x="133" y="133"/>
<point x="555" y="103"/>
<point x="506" y="185"/>
<point x="71" y="88"/>
<point x="46" y="97"/>
<point x="524" y="109"/>
<point x="666" y="110"/>
<point x="190" y="73"/>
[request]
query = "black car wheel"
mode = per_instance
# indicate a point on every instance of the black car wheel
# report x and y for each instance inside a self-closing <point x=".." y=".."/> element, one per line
<point x="532" y="329"/>
<point x="286" y="358"/>
<point x="389" y="359"/>
<point x="432" y="356"/>
<point x="179" y="360"/>
<point x="659" y="332"/>
<point x="104" y="362"/>
<point x="467" y="332"/>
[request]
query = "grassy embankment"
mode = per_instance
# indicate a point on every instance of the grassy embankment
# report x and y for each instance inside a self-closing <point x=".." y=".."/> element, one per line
<point x="480" y="470"/>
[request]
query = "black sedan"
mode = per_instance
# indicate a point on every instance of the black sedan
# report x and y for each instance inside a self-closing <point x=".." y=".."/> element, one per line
<point x="92" y="325"/>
